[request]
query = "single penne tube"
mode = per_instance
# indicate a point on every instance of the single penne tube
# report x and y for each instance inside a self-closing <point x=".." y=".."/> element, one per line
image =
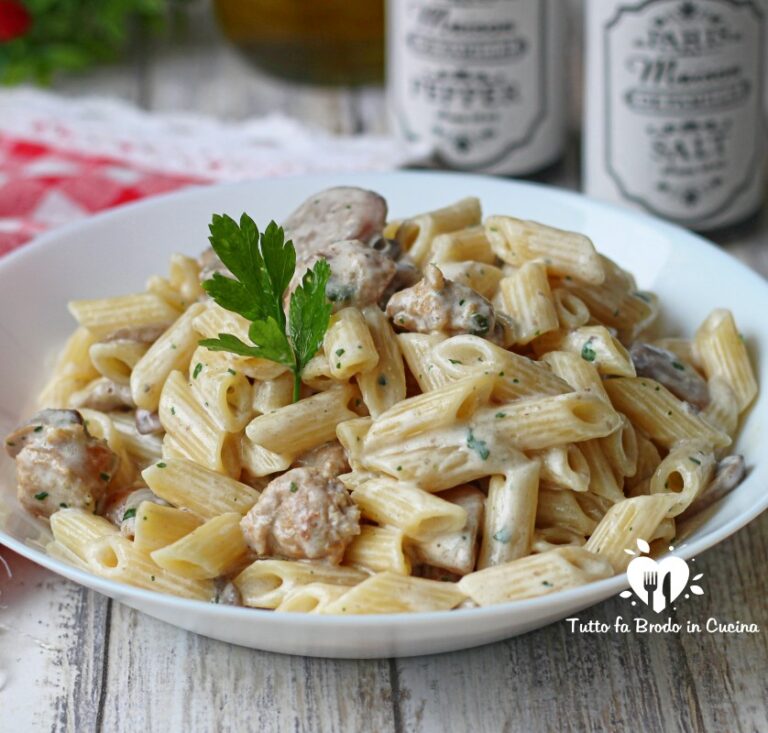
<point x="224" y="392"/>
<point x="626" y="522"/>
<point x="684" y="474"/>
<point x="141" y="449"/>
<point x="171" y="352"/>
<point x="258" y="461"/>
<point x="620" y="450"/>
<point x="116" y="558"/>
<point x="724" y="354"/>
<point x="160" y="287"/>
<point x="348" y="345"/>
<point x="444" y="458"/>
<point x="317" y="373"/>
<point x="470" y="243"/>
<point x="271" y="394"/>
<point x="526" y="296"/>
<point x="75" y="529"/>
<point x="159" y="526"/>
<point x="516" y="376"/>
<point x="213" y="549"/>
<point x="455" y="551"/>
<point x="655" y="410"/>
<point x="184" y="277"/>
<point x="383" y="386"/>
<point x="390" y="592"/>
<point x="213" y="320"/>
<point x="570" y="254"/>
<point x="416" y="349"/>
<point x="265" y="583"/>
<point x="116" y="359"/>
<point x="479" y="276"/>
<point x="351" y="434"/>
<point x="104" y="316"/>
<point x="416" y="235"/>
<point x="560" y="508"/>
<point x="580" y="374"/>
<point x="510" y="515"/>
<point x="402" y="504"/>
<point x="550" y="538"/>
<point x="312" y="598"/>
<point x="194" y="431"/>
<point x="296" y="428"/>
<point x="564" y="466"/>
<point x="378" y="549"/>
<point x="596" y="345"/>
<point x="536" y="575"/>
<point x="722" y="412"/>
<point x="439" y="408"/>
<point x="603" y="481"/>
<point x="571" y="310"/>
<point x="531" y="424"/>
<point x="207" y="493"/>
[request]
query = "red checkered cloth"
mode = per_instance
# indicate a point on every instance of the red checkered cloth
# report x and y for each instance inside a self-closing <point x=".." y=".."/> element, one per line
<point x="63" y="159"/>
<point x="42" y="187"/>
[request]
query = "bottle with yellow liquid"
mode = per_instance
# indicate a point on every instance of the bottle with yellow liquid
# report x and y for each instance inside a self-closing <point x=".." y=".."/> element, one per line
<point x="310" y="41"/>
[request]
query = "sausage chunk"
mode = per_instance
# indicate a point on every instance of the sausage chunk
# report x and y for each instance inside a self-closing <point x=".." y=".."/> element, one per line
<point x="667" y="369"/>
<point x="59" y="463"/>
<point x="329" y="458"/>
<point x="729" y="474"/>
<point x="303" y="514"/>
<point x="438" y="305"/>
<point x="359" y="274"/>
<point x="120" y="507"/>
<point x="333" y="215"/>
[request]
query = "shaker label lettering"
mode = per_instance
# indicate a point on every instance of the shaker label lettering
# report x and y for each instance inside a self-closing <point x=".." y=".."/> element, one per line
<point x="683" y="118"/>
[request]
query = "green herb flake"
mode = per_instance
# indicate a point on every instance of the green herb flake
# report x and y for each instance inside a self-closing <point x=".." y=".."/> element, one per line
<point x="104" y="477"/>
<point x="173" y="410"/>
<point x="161" y="464"/>
<point x="232" y="371"/>
<point x="480" y="325"/>
<point x="129" y="513"/>
<point x="547" y="584"/>
<point x="198" y="369"/>
<point x="643" y="296"/>
<point x="479" y="446"/>
<point x="38" y="428"/>
<point x="152" y="577"/>
<point x="587" y="352"/>
<point x="677" y="365"/>
<point x="64" y="505"/>
<point x="42" y="496"/>
<point x="499" y="415"/>
<point x="382" y="380"/>
<point x="339" y="352"/>
<point x="294" y="487"/>
<point x="503" y="535"/>
<point x="695" y="460"/>
<point x="455" y="361"/>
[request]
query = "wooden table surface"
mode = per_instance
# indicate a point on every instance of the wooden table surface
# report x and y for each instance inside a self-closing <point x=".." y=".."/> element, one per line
<point x="73" y="660"/>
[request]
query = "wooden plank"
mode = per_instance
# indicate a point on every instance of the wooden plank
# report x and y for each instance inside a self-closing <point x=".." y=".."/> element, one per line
<point x="164" y="679"/>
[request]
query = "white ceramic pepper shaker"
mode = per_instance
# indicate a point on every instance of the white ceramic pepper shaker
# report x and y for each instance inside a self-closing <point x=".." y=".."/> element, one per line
<point x="481" y="82"/>
<point x="674" y="114"/>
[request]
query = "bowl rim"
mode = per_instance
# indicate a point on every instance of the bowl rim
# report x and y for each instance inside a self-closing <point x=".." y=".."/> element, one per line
<point x="587" y="594"/>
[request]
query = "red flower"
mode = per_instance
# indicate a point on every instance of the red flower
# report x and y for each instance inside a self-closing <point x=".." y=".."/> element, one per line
<point x="14" y="20"/>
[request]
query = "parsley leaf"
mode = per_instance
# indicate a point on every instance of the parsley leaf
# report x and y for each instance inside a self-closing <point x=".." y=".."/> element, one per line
<point x="264" y="265"/>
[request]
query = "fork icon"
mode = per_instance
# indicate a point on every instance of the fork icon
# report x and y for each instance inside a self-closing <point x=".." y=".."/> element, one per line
<point x="650" y="583"/>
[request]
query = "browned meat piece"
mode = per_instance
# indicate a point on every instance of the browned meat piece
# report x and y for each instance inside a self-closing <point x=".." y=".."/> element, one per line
<point x="303" y="514"/>
<point x="330" y="458"/>
<point x="359" y="274"/>
<point x="147" y="422"/>
<point x="666" y="368"/>
<point x="334" y="215"/>
<point x="58" y="463"/>
<point x="729" y="474"/>
<point x="438" y="305"/>
<point x="120" y="507"/>
<point x="104" y="395"/>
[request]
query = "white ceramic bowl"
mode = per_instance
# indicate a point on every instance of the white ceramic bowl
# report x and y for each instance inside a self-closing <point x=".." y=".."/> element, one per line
<point x="115" y="252"/>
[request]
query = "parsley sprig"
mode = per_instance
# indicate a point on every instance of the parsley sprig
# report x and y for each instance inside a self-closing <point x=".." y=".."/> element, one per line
<point x="263" y="265"/>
